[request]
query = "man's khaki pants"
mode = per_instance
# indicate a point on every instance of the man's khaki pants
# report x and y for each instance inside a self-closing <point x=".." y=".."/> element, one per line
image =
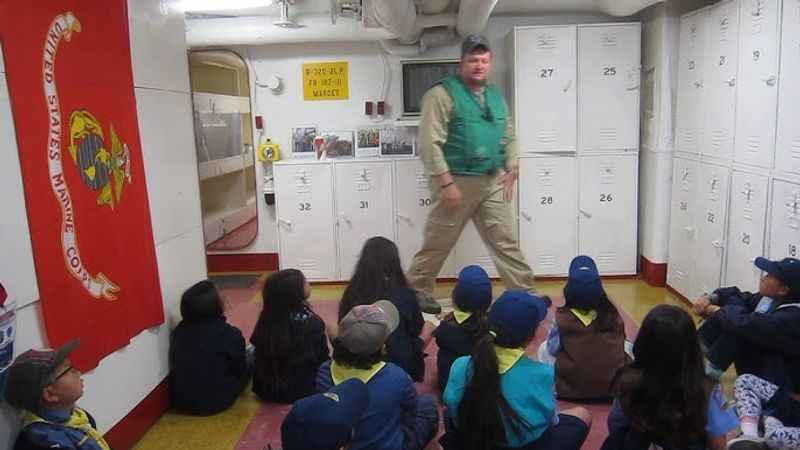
<point x="482" y="201"/>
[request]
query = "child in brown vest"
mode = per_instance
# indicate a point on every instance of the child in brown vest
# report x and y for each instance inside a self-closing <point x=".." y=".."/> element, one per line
<point x="587" y="340"/>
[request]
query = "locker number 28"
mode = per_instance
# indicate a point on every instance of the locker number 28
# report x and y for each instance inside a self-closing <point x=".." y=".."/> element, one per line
<point x="546" y="200"/>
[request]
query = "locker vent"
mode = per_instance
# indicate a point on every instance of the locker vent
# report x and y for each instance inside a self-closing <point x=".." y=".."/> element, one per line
<point x="608" y="39"/>
<point x="302" y="182"/>
<point x="795" y="151"/>
<point x="607" y="174"/>
<point x="547" y="137"/>
<point x="422" y="181"/>
<point x="546" y="177"/>
<point x="309" y="266"/>
<point x="716" y="139"/>
<point x="606" y="259"/>
<point x="547" y="42"/>
<point x="607" y="135"/>
<point x="753" y="144"/>
<point x="547" y="261"/>
<point x="688" y="139"/>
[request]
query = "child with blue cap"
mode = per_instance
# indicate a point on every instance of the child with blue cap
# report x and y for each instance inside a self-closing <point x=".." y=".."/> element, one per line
<point x="499" y="397"/>
<point x="325" y="421"/>
<point x="586" y="342"/>
<point x="461" y="329"/>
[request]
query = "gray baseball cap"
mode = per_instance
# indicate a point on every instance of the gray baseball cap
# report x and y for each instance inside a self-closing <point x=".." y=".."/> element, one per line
<point x="365" y="328"/>
<point x="474" y="42"/>
<point x="31" y="372"/>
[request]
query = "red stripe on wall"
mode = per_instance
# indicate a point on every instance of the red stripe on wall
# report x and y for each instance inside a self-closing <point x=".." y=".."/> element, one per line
<point x="655" y="274"/>
<point x="242" y="262"/>
<point x="127" y="432"/>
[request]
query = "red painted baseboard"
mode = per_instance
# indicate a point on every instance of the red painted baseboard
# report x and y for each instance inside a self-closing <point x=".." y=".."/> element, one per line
<point x="242" y="262"/>
<point x="655" y="274"/>
<point x="127" y="432"/>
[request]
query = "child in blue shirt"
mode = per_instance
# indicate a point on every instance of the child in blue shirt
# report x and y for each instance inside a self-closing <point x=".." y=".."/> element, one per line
<point x="499" y="397"/>
<point x="461" y="329"/>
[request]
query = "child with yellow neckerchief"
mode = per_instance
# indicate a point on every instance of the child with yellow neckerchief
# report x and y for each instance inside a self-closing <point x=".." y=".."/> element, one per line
<point x="396" y="418"/>
<point x="45" y="386"/>
<point x="460" y="330"/>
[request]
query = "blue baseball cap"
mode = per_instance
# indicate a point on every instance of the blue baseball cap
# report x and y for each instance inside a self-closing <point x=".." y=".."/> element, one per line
<point x="325" y="421"/>
<point x="787" y="270"/>
<point x="473" y="290"/>
<point x="583" y="290"/>
<point x="515" y="316"/>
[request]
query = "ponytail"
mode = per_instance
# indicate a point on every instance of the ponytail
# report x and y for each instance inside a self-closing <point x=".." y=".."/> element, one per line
<point x="481" y="427"/>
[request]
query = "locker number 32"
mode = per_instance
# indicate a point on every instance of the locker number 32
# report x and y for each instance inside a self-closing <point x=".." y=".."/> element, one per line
<point x="305" y="206"/>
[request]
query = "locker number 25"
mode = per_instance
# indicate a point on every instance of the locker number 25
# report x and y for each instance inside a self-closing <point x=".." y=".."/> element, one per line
<point x="609" y="71"/>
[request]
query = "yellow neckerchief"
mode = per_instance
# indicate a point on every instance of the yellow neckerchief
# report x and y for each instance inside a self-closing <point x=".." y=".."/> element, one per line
<point x="78" y="420"/>
<point x="461" y="316"/>
<point x="341" y="373"/>
<point x="586" y="316"/>
<point x="507" y="357"/>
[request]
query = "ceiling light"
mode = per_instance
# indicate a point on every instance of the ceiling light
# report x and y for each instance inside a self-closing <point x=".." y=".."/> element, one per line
<point x="218" y="5"/>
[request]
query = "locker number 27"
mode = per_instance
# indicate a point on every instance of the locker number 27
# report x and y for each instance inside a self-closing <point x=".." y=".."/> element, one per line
<point x="546" y="73"/>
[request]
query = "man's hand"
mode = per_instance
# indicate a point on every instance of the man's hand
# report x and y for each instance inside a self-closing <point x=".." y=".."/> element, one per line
<point x="451" y="197"/>
<point x="507" y="180"/>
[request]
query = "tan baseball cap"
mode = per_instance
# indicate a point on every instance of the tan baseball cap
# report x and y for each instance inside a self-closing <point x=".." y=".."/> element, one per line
<point x="365" y="328"/>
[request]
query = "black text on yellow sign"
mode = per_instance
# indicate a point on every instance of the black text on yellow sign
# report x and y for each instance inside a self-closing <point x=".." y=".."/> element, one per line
<point x="326" y="81"/>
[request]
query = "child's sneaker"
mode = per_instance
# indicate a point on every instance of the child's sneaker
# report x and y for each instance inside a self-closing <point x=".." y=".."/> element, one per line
<point x="745" y="442"/>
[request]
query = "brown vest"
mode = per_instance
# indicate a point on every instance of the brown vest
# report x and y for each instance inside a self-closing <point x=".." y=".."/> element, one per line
<point x="588" y="359"/>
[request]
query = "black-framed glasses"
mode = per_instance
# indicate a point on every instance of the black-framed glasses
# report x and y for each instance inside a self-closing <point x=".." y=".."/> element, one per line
<point x="64" y="372"/>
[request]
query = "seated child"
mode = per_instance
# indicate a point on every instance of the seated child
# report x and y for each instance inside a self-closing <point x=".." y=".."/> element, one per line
<point x="396" y="417"/>
<point x="379" y="275"/>
<point x="325" y="421"/>
<point x="757" y="398"/>
<point x="45" y="386"/>
<point x="458" y="332"/>
<point x="587" y="339"/>
<point x="207" y="355"/>
<point x="664" y="398"/>
<point x="289" y="340"/>
<point x="759" y="333"/>
<point x="499" y="398"/>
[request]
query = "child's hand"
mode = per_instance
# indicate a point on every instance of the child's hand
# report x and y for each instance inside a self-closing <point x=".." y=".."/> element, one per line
<point x="701" y="304"/>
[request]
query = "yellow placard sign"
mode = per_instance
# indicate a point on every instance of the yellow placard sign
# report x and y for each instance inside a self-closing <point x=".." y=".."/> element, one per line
<point x="326" y="81"/>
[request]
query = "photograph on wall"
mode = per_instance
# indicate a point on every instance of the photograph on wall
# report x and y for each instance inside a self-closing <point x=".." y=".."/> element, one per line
<point x="368" y="142"/>
<point x="398" y="141"/>
<point x="303" y="142"/>
<point x="7" y="332"/>
<point x="335" y="144"/>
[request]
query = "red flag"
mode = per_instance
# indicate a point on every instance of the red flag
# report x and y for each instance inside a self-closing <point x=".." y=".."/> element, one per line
<point x="68" y="65"/>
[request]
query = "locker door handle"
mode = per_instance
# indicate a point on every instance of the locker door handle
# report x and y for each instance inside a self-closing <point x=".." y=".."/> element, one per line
<point x="525" y="216"/>
<point x="288" y="223"/>
<point x="405" y="219"/>
<point x="771" y="80"/>
<point x="717" y="244"/>
<point x="566" y="88"/>
<point x="689" y="231"/>
<point x="698" y="84"/>
<point x="633" y="88"/>
<point x="345" y="219"/>
<point x="586" y="214"/>
<point x="731" y="81"/>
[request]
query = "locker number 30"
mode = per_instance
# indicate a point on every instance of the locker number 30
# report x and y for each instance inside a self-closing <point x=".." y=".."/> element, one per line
<point x="424" y="202"/>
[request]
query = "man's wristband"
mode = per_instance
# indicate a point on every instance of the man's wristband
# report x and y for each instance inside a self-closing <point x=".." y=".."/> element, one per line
<point x="446" y="185"/>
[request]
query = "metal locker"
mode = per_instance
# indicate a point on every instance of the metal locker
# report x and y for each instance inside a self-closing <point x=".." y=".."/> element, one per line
<point x="785" y="227"/>
<point x="747" y="222"/>
<point x="545" y="104"/>
<point x="363" y="206"/>
<point x="306" y="225"/>
<point x="608" y="86"/>
<point x="757" y="94"/>
<point x="470" y="249"/>
<point x="548" y="204"/>
<point x="608" y="201"/>
<point x="712" y="196"/>
<point x="787" y="157"/>
<point x="691" y="101"/>
<point x="682" y="234"/>
<point x="720" y="65"/>
<point x="413" y="202"/>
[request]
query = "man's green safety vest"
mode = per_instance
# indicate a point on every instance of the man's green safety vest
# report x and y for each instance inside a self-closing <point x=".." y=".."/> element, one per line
<point x="476" y="133"/>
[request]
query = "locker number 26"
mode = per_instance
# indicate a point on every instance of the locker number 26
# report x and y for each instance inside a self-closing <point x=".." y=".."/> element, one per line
<point x="305" y="206"/>
<point x="606" y="198"/>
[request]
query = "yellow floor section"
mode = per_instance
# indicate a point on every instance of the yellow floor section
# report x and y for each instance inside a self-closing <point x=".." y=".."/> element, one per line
<point x="220" y="432"/>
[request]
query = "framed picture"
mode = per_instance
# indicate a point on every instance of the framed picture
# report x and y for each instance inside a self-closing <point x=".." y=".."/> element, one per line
<point x="398" y="141"/>
<point x="336" y="144"/>
<point x="368" y="141"/>
<point x="303" y="142"/>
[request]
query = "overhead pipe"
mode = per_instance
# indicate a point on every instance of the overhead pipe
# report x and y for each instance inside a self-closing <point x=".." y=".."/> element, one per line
<point x="399" y="17"/>
<point x="624" y="7"/>
<point x="473" y="15"/>
<point x="431" y="37"/>
<point x="432" y="6"/>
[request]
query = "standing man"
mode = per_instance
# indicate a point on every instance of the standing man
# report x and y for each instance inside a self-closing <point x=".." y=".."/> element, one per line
<point x="466" y="142"/>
